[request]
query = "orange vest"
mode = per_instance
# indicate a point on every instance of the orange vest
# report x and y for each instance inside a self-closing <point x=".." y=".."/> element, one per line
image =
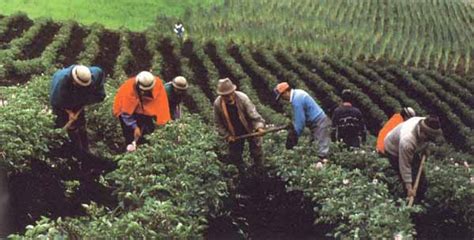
<point x="127" y="101"/>
<point x="391" y="124"/>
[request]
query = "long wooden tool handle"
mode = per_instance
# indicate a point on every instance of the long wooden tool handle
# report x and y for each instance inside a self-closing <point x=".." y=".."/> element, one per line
<point x="261" y="133"/>
<point x="417" y="181"/>
<point x="71" y="121"/>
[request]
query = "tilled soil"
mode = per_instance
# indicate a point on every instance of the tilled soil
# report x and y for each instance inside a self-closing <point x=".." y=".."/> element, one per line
<point x="434" y="225"/>
<point x="141" y="56"/>
<point x="259" y="84"/>
<point x="200" y="71"/>
<point x="42" y="192"/>
<point x="74" y="46"/>
<point x="222" y="68"/>
<point x="109" y="44"/>
<point x="40" y="42"/>
<point x="14" y="78"/>
<point x="171" y="68"/>
<point x="262" y="208"/>
<point x="15" y="29"/>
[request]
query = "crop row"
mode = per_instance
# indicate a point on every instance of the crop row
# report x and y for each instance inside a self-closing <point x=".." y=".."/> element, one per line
<point x="377" y="116"/>
<point x="431" y="34"/>
<point x="455" y="130"/>
<point x="137" y="213"/>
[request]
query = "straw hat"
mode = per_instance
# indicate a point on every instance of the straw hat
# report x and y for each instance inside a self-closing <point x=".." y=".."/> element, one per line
<point x="145" y="80"/>
<point x="180" y="83"/>
<point x="225" y="87"/>
<point x="82" y="75"/>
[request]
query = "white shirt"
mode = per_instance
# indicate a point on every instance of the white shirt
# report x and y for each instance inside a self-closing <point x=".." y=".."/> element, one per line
<point x="402" y="142"/>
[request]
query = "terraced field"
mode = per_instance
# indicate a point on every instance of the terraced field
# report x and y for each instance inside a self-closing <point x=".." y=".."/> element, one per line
<point x="32" y="50"/>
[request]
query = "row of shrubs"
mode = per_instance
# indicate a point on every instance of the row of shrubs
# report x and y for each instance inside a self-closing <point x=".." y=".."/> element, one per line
<point x="144" y="191"/>
<point x="161" y="191"/>
<point x="455" y="129"/>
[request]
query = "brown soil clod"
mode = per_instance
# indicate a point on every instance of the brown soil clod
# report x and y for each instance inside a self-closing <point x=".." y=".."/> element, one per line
<point x="109" y="44"/>
<point x="141" y="56"/>
<point x="15" y="28"/>
<point x="40" y="42"/>
<point x="74" y="46"/>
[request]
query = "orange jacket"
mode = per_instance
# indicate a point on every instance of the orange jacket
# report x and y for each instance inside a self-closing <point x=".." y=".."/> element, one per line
<point x="127" y="101"/>
<point x="391" y="124"/>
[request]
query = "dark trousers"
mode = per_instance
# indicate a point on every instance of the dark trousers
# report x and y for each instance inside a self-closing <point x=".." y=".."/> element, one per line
<point x="350" y="141"/>
<point x="236" y="150"/>
<point x="145" y="123"/>
<point x="415" y="165"/>
<point x="77" y="132"/>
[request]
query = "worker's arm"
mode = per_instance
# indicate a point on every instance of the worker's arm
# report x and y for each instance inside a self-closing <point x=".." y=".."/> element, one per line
<point x="405" y="158"/>
<point x="129" y="120"/>
<point x="363" y="129"/>
<point x="335" y="121"/>
<point x="258" y="123"/>
<point x="219" y="122"/>
<point x="299" y="118"/>
<point x="98" y="81"/>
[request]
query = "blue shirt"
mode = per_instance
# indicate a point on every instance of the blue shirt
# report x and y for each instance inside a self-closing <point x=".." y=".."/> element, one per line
<point x="64" y="95"/>
<point x="305" y="110"/>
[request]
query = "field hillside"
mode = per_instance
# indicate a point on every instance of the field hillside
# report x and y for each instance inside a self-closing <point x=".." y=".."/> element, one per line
<point x="437" y="34"/>
<point x="181" y="185"/>
<point x="130" y="14"/>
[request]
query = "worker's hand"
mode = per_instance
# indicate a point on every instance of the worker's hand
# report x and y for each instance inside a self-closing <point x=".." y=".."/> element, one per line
<point x="72" y="115"/>
<point x="260" y="131"/>
<point x="230" y="139"/>
<point x="137" y="133"/>
<point x="410" y="190"/>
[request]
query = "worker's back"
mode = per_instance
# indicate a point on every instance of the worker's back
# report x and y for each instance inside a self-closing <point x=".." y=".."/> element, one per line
<point x="391" y="124"/>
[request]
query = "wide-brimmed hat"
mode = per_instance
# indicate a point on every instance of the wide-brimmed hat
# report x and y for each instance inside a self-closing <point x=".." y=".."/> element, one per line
<point x="408" y="112"/>
<point x="81" y="75"/>
<point x="225" y="87"/>
<point x="280" y="88"/>
<point x="180" y="83"/>
<point x="145" y="80"/>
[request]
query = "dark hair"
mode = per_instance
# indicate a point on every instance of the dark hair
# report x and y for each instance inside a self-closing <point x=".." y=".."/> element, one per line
<point x="346" y="95"/>
<point x="433" y="122"/>
<point x="407" y="112"/>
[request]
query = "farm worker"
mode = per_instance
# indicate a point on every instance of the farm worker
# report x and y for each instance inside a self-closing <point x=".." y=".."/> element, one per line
<point x="140" y="103"/>
<point x="73" y="88"/>
<point x="179" y="30"/>
<point x="176" y="90"/>
<point x="349" y="123"/>
<point x="306" y="112"/>
<point x="397" y="118"/>
<point x="402" y="147"/>
<point x="236" y="115"/>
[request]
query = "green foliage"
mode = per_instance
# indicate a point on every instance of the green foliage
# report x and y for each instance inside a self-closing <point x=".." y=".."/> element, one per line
<point x="113" y="14"/>
<point x="165" y="189"/>
<point x="358" y="205"/>
<point x="27" y="126"/>
<point x="433" y="34"/>
<point x="168" y="187"/>
<point x="451" y="192"/>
